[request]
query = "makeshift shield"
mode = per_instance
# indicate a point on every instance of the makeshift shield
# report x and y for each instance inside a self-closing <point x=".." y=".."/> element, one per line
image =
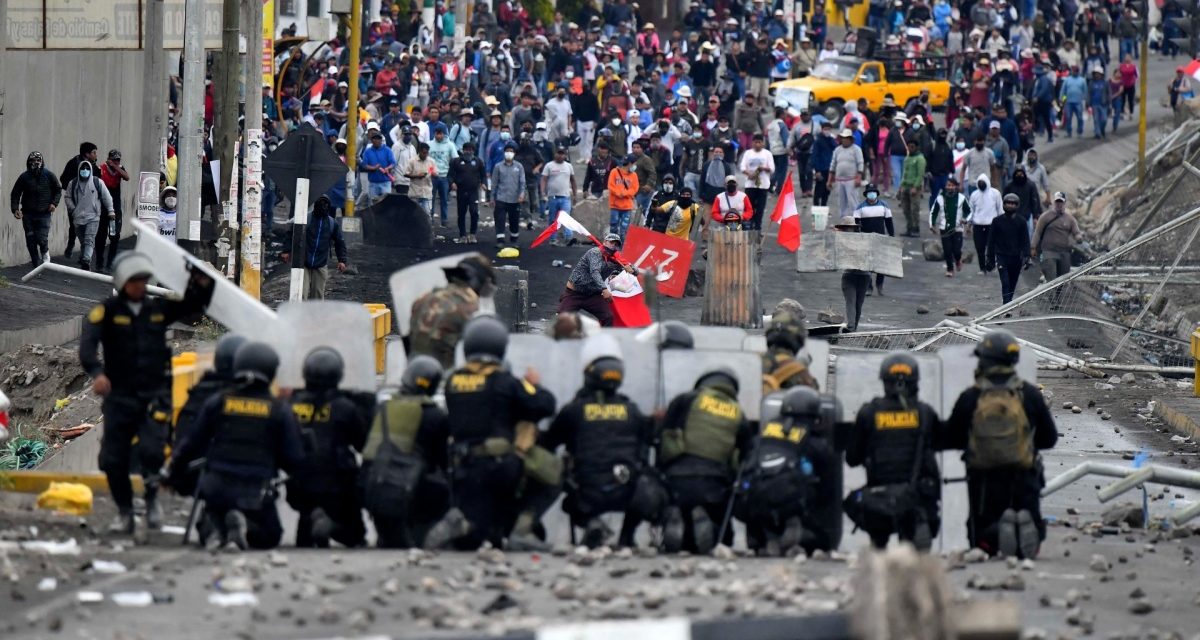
<point x="345" y="327"/>
<point x="838" y="251"/>
<point x="232" y="307"/>
<point x="411" y="283"/>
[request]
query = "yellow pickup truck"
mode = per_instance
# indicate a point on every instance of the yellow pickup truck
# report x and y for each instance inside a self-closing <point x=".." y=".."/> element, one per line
<point x="835" y="81"/>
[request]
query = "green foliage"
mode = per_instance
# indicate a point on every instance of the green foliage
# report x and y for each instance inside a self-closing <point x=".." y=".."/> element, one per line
<point x="542" y="9"/>
<point x="209" y="331"/>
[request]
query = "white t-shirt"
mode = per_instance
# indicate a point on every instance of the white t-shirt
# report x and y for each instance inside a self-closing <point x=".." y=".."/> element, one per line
<point x="752" y="160"/>
<point x="558" y="178"/>
<point x="166" y="224"/>
<point x="560" y="108"/>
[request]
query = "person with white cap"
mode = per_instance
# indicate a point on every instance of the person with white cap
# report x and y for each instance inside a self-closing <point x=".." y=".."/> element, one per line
<point x="1054" y="238"/>
<point x="845" y="173"/>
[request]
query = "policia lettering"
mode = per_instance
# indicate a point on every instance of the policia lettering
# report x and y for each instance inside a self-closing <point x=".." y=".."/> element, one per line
<point x="134" y="379"/>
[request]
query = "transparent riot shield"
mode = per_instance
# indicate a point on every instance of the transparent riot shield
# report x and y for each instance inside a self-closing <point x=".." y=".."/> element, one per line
<point x="958" y="373"/>
<point x="232" y="307"/>
<point x="856" y="381"/>
<point x="817" y="353"/>
<point x="345" y="327"/>
<point x="682" y="368"/>
<point x="558" y="363"/>
<point x="411" y="283"/>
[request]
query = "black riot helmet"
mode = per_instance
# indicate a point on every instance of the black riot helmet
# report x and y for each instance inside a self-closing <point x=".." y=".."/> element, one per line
<point x="998" y="348"/>
<point x="422" y="376"/>
<point x="476" y="272"/>
<point x="485" y="339"/>
<point x="801" y="402"/>
<point x="676" y="335"/>
<point x="721" y="378"/>
<point x="256" y="362"/>
<point x="900" y="373"/>
<point x="323" y="369"/>
<point x="786" y="331"/>
<point x="604" y="374"/>
<point x="227" y="347"/>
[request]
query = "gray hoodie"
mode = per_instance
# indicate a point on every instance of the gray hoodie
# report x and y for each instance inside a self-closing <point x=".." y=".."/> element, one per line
<point x="87" y="199"/>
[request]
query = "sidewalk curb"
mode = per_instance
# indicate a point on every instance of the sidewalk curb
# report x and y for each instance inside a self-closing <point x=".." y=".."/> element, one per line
<point x="1181" y="423"/>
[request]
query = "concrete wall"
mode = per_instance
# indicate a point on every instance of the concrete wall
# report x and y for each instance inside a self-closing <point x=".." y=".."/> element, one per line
<point x="55" y="100"/>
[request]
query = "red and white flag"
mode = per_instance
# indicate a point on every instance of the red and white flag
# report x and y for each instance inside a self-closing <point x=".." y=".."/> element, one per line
<point x="1193" y="69"/>
<point x="564" y="221"/>
<point x="787" y="218"/>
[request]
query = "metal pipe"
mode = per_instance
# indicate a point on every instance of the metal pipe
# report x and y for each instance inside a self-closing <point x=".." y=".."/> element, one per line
<point x="1133" y="480"/>
<point x="1083" y="470"/>
<point x="88" y="275"/>
<point x="1186" y="515"/>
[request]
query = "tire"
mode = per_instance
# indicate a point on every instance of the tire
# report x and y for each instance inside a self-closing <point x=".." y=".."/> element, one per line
<point x="833" y="110"/>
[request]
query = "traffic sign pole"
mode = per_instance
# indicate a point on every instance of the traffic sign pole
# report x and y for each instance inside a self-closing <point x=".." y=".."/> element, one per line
<point x="299" y="231"/>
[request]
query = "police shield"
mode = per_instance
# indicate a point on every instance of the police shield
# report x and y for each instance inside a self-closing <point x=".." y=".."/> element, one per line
<point x="682" y="368"/>
<point x="856" y="381"/>
<point x="817" y="354"/>
<point x="958" y="373"/>
<point x="232" y="307"/>
<point x="558" y="362"/>
<point x="411" y="283"/>
<point x="345" y="327"/>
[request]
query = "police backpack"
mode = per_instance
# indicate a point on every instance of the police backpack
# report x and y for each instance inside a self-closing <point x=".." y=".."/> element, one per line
<point x="392" y="479"/>
<point x="1001" y="436"/>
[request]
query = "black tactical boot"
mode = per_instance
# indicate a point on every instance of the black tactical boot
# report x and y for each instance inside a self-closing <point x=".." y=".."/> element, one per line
<point x="1028" y="540"/>
<point x="596" y="534"/>
<point x="1006" y="534"/>
<point x="793" y="532"/>
<point x="673" y="531"/>
<point x="235" y="529"/>
<point x="703" y="531"/>
<point x="523" y="537"/>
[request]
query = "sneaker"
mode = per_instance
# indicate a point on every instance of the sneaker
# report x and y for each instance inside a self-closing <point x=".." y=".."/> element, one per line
<point x="1006" y="536"/>
<point x="124" y="523"/>
<point x="471" y="239"/>
<point x="673" y="531"/>
<point x="958" y="265"/>
<point x="321" y="529"/>
<point x="1028" y="538"/>
<point x="85" y="265"/>
<point x="451" y="527"/>
<point x="235" y="529"/>
<point x="596" y="534"/>
<point x="703" y="531"/>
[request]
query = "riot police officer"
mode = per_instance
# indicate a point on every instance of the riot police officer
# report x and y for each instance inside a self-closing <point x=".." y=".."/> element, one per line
<point x="245" y="436"/>
<point x="438" y="317"/>
<point x="785" y="335"/>
<point x="1001" y="424"/>
<point x="782" y="476"/>
<point x="325" y="491"/>
<point x="701" y="431"/>
<point x="135" y="378"/>
<point x="607" y="440"/>
<point x="893" y="438"/>
<point x="404" y="461"/>
<point x="502" y="482"/>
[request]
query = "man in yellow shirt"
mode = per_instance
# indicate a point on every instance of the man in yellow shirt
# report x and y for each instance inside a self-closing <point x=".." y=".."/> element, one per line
<point x="682" y="214"/>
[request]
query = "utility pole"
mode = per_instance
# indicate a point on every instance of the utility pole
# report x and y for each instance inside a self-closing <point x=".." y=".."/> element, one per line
<point x="428" y="17"/>
<point x="3" y="47"/>
<point x="356" y="14"/>
<point x="228" y="79"/>
<point x="1142" y="73"/>
<point x="251" y="241"/>
<point x="191" y="126"/>
<point x="460" y="26"/>
<point x="154" y="81"/>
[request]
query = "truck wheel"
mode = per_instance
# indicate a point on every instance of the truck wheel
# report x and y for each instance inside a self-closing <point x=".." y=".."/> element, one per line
<point x="833" y="110"/>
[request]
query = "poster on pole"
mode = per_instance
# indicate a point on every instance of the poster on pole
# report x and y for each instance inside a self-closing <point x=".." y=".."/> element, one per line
<point x="268" y="48"/>
<point x="147" y="199"/>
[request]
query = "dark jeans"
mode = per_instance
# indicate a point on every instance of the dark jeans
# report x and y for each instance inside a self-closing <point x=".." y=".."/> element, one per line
<point x="990" y="493"/>
<point x="820" y="189"/>
<point x="70" y="235"/>
<point x="594" y="304"/>
<point x="1043" y="120"/>
<point x="952" y="249"/>
<point x="467" y="201"/>
<point x="441" y="193"/>
<point x="854" y="290"/>
<point x="758" y="200"/>
<point x="781" y="171"/>
<point x="1009" y="268"/>
<point x="104" y="262"/>
<point x="806" y="175"/>
<point x="510" y="213"/>
<point x="980" y="235"/>
<point x="37" y="236"/>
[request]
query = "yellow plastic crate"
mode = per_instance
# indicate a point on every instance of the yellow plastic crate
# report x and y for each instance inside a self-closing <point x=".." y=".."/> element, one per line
<point x="381" y="316"/>
<point x="186" y="370"/>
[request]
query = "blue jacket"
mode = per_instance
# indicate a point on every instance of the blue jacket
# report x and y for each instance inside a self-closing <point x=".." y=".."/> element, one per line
<point x="1074" y="89"/>
<point x="495" y="154"/>
<point x="1008" y="131"/>
<point x="1043" y="88"/>
<point x="822" y="153"/>
<point x="323" y="233"/>
<point x="382" y="157"/>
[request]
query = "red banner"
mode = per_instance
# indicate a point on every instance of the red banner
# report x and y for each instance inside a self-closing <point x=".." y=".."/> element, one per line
<point x="671" y="256"/>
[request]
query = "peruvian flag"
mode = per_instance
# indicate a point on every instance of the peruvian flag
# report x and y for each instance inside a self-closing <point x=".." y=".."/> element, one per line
<point x="786" y="217"/>
<point x="564" y="221"/>
<point x="1193" y="69"/>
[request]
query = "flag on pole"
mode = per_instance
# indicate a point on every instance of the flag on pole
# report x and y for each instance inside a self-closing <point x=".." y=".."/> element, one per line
<point x="564" y="221"/>
<point x="787" y="218"/>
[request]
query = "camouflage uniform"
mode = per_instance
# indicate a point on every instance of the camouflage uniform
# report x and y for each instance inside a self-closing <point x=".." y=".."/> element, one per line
<point x="438" y="320"/>
<point x="781" y="370"/>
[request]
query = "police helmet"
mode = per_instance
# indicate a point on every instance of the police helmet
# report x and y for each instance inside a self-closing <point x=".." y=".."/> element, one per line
<point x="130" y="265"/>
<point x="485" y="339"/>
<point x="786" y="331"/>
<point x="900" y="373"/>
<point x="677" y="335"/>
<point x="801" y="402"/>
<point x="256" y="361"/>
<point x="722" y="378"/>
<point x="422" y="376"/>
<point x="604" y="373"/>
<point x="791" y="306"/>
<point x="998" y="347"/>
<point x="323" y="368"/>
<point x="1012" y="198"/>
<point x="476" y="272"/>
<point x="227" y="347"/>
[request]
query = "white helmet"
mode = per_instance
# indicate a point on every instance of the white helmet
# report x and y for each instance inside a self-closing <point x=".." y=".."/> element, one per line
<point x="130" y="265"/>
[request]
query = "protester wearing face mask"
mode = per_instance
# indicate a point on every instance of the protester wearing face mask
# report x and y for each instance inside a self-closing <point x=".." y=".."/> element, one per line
<point x="322" y="236"/>
<point x="559" y="115"/>
<point x="623" y="187"/>
<point x="939" y="164"/>
<point x="1008" y="246"/>
<point x="948" y="218"/>
<point x="466" y="177"/>
<point x="1054" y="238"/>
<point x="88" y="201"/>
<point x="404" y="150"/>
<point x="1030" y="208"/>
<point x="35" y="195"/>
<point x="978" y="160"/>
<point x="985" y="206"/>
<point x="819" y="163"/>
<point x="655" y="218"/>
<point x="733" y="208"/>
<point x="508" y="192"/>
<point x="874" y="216"/>
<point x="168" y="204"/>
<point x="1038" y="175"/>
<point x="680" y="215"/>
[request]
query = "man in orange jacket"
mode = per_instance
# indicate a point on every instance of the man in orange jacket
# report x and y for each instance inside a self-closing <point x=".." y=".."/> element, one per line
<point x="622" y="187"/>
